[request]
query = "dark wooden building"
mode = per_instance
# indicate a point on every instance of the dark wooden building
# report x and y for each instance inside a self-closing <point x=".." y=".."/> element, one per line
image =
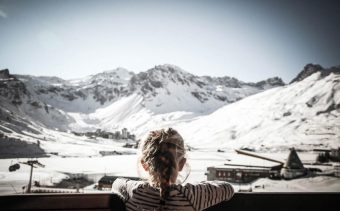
<point x="242" y="173"/>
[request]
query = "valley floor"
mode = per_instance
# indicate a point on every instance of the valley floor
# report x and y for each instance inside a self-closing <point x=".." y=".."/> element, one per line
<point x="57" y="168"/>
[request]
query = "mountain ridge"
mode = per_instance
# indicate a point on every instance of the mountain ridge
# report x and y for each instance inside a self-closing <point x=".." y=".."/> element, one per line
<point x="310" y="69"/>
<point x="102" y="89"/>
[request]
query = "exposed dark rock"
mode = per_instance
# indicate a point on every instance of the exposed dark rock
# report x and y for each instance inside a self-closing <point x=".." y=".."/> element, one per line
<point x="326" y="72"/>
<point x="330" y="108"/>
<point x="69" y="96"/>
<point x="288" y="113"/>
<point x="276" y="81"/>
<point x="46" y="108"/>
<point x="36" y="104"/>
<point x="199" y="96"/>
<point x="200" y="84"/>
<point x="229" y="82"/>
<point x="11" y="88"/>
<point x="102" y="99"/>
<point x="4" y="74"/>
<point x="221" y="98"/>
<point x="55" y="89"/>
<point x="156" y="84"/>
<point x="310" y="69"/>
<point x="15" y="148"/>
<point x="312" y="101"/>
<point x="80" y="94"/>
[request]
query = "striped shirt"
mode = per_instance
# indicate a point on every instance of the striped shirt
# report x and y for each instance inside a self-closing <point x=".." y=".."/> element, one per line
<point x="139" y="195"/>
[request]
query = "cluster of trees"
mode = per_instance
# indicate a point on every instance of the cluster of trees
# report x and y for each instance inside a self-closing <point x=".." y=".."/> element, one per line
<point x="16" y="148"/>
<point x="323" y="157"/>
<point x="329" y="156"/>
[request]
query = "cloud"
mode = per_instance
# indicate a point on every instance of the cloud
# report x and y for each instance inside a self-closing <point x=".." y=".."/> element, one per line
<point x="3" y="14"/>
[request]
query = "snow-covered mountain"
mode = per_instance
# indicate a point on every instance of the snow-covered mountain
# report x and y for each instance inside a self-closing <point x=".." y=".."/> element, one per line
<point x="83" y="95"/>
<point x="164" y="88"/>
<point x="304" y="114"/>
<point x="208" y="111"/>
<point x="167" y="88"/>
<point x="20" y="109"/>
<point x="160" y="90"/>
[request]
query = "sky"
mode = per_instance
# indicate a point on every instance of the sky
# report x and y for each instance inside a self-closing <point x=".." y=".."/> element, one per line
<point x="248" y="39"/>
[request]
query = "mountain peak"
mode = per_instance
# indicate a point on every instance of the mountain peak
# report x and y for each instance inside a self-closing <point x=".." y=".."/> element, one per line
<point x="115" y="76"/>
<point x="168" y="69"/>
<point x="159" y="76"/>
<point x="118" y="70"/>
<point x="273" y="82"/>
<point x="4" y="74"/>
<point x="310" y="69"/>
<point x="307" y="71"/>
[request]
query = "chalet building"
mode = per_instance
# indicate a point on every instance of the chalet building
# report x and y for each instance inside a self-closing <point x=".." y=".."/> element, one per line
<point x="293" y="167"/>
<point x="237" y="173"/>
<point x="241" y="173"/>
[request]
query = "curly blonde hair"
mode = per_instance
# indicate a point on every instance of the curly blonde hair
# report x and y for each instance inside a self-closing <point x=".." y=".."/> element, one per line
<point x="161" y="152"/>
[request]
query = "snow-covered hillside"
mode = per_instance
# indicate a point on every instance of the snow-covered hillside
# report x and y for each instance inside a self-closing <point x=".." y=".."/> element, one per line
<point x="304" y="114"/>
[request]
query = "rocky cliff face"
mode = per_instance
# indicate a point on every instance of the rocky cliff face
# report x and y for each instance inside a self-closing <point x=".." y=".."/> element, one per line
<point x="19" y="106"/>
<point x="166" y="83"/>
<point x="4" y="74"/>
<point x="12" y="89"/>
<point x="310" y="69"/>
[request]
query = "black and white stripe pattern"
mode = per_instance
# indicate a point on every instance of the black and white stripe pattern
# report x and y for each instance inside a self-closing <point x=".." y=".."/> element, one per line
<point x="141" y="196"/>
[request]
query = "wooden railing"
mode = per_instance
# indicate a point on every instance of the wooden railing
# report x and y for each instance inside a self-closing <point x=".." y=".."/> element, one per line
<point x="240" y="201"/>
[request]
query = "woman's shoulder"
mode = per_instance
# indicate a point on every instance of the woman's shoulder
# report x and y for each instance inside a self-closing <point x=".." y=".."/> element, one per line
<point x="124" y="187"/>
<point x="122" y="183"/>
<point x="210" y="186"/>
<point x="129" y="182"/>
<point x="207" y="183"/>
<point x="207" y="193"/>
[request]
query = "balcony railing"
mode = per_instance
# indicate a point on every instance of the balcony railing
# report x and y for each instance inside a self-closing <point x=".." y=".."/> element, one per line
<point x="240" y="201"/>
